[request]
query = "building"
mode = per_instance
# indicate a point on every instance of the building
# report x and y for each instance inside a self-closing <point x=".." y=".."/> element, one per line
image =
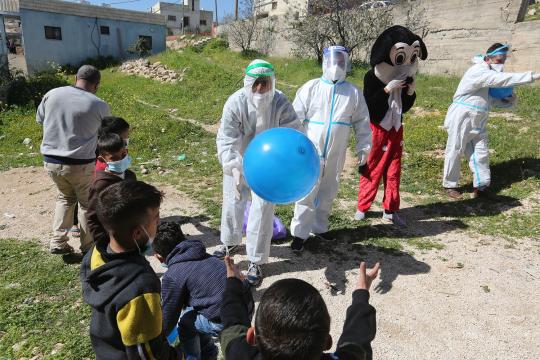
<point x="185" y="18"/>
<point x="266" y="8"/>
<point x="61" y="32"/>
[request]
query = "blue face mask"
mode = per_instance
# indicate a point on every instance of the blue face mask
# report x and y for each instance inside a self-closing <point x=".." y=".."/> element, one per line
<point x="119" y="166"/>
<point x="147" y="250"/>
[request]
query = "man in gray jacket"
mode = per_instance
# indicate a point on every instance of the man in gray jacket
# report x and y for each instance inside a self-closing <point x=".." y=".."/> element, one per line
<point x="71" y="117"/>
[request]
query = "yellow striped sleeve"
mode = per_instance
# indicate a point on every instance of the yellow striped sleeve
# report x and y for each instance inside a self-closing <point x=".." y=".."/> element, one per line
<point x="139" y="321"/>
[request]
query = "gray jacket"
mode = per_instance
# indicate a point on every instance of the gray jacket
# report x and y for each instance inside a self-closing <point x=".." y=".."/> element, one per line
<point x="71" y="118"/>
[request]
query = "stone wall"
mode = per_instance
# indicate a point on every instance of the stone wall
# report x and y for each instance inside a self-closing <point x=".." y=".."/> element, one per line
<point x="459" y="29"/>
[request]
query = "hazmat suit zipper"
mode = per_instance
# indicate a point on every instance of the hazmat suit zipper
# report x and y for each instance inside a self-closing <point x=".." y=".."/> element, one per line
<point x="329" y="123"/>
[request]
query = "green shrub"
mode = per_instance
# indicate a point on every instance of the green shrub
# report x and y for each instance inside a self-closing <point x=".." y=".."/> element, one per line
<point x="217" y="44"/>
<point x="23" y="90"/>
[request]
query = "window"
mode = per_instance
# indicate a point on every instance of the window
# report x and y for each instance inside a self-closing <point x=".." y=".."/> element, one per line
<point x="53" y="33"/>
<point x="262" y="16"/>
<point x="147" y="41"/>
<point x="104" y="30"/>
<point x="186" y="21"/>
<point x="171" y="18"/>
<point x="192" y="5"/>
<point x="203" y="22"/>
<point x="274" y="5"/>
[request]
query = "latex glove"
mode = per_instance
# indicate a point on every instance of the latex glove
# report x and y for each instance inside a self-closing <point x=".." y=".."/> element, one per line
<point x="394" y="84"/>
<point x="236" y="176"/>
<point x="411" y="88"/>
<point x="536" y="76"/>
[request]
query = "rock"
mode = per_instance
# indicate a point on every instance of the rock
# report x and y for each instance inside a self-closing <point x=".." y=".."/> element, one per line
<point x="27" y="141"/>
<point x="18" y="346"/>
<point x="56" y="348"/>
<point x="532" y="12"/>
<point x="144" y="171"/>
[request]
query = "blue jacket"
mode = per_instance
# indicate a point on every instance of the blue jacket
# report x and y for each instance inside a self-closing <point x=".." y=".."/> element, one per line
<point x="193" y="278"/>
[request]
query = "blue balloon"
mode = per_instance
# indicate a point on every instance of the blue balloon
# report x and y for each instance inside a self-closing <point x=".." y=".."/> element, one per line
<point x="501" y="93"/>
<point x="281" y="165"/>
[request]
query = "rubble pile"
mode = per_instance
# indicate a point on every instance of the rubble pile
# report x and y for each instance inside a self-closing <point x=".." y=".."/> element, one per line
<point x="184" y="41"/>
<point x="156" y="71"/>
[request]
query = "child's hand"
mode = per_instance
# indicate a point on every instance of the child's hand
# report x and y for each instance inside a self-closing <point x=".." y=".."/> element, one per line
<point x="366" y="278"/>
<point x="232" y="269"/>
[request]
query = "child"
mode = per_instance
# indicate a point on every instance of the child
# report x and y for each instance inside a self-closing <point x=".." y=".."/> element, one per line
<point x="115" y="125"/>
<point x="192" y="289"/>
<point x="119" y="283"/>
<point x="292" y="321"/>
<point x="113" y="153"/>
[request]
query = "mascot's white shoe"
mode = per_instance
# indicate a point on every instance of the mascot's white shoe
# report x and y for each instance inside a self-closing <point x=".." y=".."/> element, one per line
<point x="394" y="218"/>
<point x="360" y="215"/>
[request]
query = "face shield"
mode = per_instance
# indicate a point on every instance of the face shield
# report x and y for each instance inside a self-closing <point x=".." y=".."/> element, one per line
<point x="260" y="83"/>
<point x="336" y="63"/>
<point x="498" y="57"/>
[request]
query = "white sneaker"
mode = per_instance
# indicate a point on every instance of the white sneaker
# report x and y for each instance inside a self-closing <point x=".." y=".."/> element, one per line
<point x="394" y="218"/>
<point x="360" y="215"/>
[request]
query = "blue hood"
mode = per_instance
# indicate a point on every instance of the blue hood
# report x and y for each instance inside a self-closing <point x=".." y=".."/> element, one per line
<point x="187" y="250"/>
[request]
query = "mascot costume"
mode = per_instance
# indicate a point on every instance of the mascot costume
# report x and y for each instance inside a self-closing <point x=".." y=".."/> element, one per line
<point x="389" y="90"/>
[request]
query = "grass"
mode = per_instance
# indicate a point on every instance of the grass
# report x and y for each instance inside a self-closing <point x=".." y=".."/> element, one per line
<point x="38" y="311"/>
<point x="41" y="310"/>
<point x="536" y="16"/>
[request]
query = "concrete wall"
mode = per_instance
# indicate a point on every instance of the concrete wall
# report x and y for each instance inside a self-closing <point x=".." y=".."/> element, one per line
<point x="81" y="38"/>
<point x="460" y="29"/>
<point x="165" y="9"/>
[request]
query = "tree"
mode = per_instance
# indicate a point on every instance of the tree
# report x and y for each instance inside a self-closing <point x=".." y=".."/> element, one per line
<point x="336" y="22"/>
<point x="250" y="32"/>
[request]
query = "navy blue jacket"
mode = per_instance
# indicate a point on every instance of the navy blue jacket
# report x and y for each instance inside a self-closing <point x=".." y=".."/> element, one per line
<point x="193" y="278"/>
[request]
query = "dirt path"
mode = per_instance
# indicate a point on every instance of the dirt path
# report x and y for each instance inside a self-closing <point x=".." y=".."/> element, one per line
<point x="474" y="299"/>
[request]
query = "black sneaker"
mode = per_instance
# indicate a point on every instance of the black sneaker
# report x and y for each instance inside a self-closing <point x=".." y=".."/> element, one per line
<point x="297" y="245"/>
<point x="225" y="250"/>
<point x="324" y="236"/>
<point x="62" y="250"/>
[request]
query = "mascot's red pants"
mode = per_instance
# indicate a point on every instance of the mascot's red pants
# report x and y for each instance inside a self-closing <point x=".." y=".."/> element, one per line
<point x="384" y="161"/>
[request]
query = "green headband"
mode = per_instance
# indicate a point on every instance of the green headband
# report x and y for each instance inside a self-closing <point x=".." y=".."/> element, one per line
<point x="260" y="65"/>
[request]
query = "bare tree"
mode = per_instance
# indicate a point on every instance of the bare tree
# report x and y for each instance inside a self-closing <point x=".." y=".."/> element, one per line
<point x="250" y="32"/>
<point x="243" y="33"/>
<point x="416" y="20"/>
<point x="337" y="22"/>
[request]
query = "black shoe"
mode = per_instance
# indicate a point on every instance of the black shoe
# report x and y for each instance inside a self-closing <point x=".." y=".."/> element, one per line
<point x="324" y="236"/>
<point x="225" y="250"/>
<point x="62" y="250"/>
<point x="297" y="245"/>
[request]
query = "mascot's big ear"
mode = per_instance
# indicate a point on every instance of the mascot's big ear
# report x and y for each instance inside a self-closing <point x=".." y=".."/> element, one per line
<point x="380" y="52"/>
<point x="423" y="47"/>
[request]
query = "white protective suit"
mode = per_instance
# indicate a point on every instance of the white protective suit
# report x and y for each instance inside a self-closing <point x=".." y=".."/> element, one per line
<point x="328" y="111"/>
<point x="240" y="122"/>
<point x="466" y="122"/>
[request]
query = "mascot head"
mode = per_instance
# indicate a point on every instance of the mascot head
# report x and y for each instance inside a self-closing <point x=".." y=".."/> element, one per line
<point x="396" y="53"/>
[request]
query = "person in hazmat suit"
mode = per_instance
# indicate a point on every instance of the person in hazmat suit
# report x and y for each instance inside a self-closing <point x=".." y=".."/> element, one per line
<point x="467" y="118"/>
<point x="256" y="107"/>
<point x="329" y="107"/>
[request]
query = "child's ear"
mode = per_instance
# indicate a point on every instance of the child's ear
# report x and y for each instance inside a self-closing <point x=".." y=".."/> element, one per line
<point x="250" y="336"/>
<point x="159" y="257"/>
<point x="328" y="344"/>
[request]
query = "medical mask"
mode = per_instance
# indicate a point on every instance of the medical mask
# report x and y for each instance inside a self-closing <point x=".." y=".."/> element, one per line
<point x="334" y="73"/>
<point x="148" y="250"/>
<point x="261" y="101"/>
<point x="497" y="67"/>
<point x="119" y="166"/>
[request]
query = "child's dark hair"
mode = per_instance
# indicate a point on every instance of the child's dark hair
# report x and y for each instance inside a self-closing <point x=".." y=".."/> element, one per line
<point x="494" y="47"/>
<point x="113" y="124"/>
<point x="169" y="235"/>
<point x="110" y="143"/>
<point x="292" y="321"/>
<point x="123" y="206"/>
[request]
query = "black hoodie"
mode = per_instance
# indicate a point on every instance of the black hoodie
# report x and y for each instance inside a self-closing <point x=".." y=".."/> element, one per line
<point x="124" y="293"/>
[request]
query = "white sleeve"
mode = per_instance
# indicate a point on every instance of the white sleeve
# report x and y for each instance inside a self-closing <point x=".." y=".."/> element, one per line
<point x="288" y="117"/>
<point x="362" y="129"/>
<point x="490" y="78"/>
<point x="229" y="138"/>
